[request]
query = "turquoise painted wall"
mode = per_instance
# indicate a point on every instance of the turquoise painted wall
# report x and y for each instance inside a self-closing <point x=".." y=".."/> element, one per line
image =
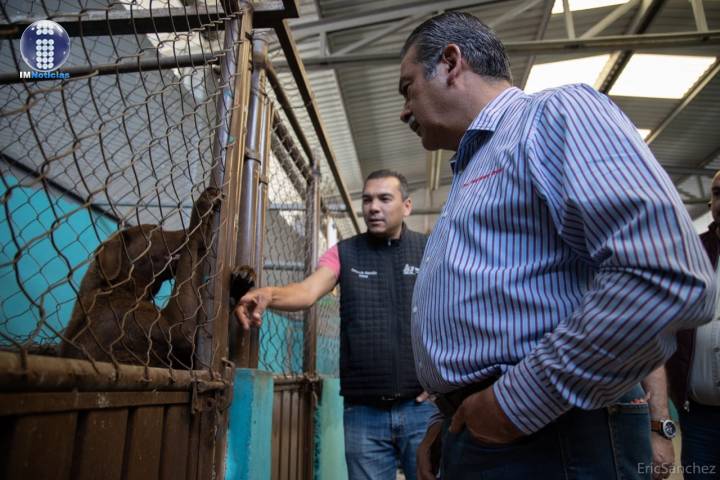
<point x="46" y="243"/>
<point x="329" y="436"/>
<point x="249" y="443"/>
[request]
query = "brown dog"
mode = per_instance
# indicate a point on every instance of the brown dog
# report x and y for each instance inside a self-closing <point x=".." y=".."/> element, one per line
<point x="115" y="317"/>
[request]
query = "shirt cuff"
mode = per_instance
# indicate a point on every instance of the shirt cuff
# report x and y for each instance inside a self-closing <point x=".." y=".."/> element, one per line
<point x="528" y="398"/>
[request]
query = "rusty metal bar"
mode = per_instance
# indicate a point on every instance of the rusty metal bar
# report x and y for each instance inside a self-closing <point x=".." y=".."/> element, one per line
<point x="53" y="402"/>
<point x="292" y="150"/>
<point x="51" y="373"/>
<point x="286" y="106"/>
<point x="250" y="178"/>
<point x="138" y="65"/>
<point x="265" y="151"/>
<point x="214" y="423"/>
<point x="312" y="232"/>
<point x="232" y="188"/>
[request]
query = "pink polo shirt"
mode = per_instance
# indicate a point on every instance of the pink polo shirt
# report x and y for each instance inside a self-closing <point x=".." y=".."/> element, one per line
<point x="331" y="260"/>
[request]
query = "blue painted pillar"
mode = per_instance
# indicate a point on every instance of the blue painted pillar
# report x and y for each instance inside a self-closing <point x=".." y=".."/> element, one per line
<point x="329" y="434"/>
<point x="249" y="444"/>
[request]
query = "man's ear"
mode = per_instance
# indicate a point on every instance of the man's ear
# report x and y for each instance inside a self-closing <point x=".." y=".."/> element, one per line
<point x="407" y="203"/>
<point x="109" y="257"/>
<point x="452" y="58"/>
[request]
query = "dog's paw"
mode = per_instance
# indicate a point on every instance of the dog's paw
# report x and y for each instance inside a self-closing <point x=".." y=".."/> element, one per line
<point x="242" y="280"/>
<point x="209" y="200"/>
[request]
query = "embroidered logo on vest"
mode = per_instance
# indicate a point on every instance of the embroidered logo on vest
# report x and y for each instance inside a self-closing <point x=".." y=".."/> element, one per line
<point x="410" y="270"/>
<point x="363" y="273"/>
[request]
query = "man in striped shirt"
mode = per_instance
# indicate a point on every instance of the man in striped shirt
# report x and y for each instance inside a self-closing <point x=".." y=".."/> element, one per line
<point x="561" y="266"/>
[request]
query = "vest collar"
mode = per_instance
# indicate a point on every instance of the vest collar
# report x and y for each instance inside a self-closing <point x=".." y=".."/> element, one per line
<point x="380" y="241"/>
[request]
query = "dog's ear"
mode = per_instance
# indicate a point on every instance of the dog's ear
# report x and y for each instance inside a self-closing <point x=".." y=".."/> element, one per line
<point x="109" y="257"/>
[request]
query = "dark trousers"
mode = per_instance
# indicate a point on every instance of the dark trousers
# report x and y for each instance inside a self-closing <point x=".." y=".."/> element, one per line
<point x="700" y="430"/>
<point x="604" y="444"/>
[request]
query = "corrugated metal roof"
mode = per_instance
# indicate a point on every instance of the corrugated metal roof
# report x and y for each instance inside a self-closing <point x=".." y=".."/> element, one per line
<point x="370" y="100"/>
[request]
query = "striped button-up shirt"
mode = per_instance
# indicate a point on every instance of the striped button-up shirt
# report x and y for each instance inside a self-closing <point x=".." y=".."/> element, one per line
<point x="563" y="260"/>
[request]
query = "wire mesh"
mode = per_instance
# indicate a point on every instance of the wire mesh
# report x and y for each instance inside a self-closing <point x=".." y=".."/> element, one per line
<point x="108" y="224"/>
<point x="287" y="254"/>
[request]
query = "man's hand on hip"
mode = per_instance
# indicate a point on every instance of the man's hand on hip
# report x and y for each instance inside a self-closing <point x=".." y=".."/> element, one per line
<point x="485" y="420"/>
<point x="428" y="453"/>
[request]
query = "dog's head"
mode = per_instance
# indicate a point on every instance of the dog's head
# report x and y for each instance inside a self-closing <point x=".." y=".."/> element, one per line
<point x="142" y="257"/>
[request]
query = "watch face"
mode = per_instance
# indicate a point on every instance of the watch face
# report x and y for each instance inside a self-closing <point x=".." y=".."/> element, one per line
<point x="669" y="428"/>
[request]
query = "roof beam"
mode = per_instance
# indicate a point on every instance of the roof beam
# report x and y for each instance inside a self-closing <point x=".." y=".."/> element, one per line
<point x="380" y="34"/>
<point x="657" y="41"/>
<point x="512" y="13"/>
<point x="699" y="14"/>
<point x="687" y="100"/>
<point x="569" y="23"/>
<point x="547" y="13"/>
<point x="611" y="18"/>
<point x="143" y="21"/>
<point x="646" y="14"/>
<point x="314" y="27"/>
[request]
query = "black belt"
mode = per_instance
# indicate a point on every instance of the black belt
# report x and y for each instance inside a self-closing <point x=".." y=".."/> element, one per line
<point x="379" y="401"/>
<point x="447" y="403"/>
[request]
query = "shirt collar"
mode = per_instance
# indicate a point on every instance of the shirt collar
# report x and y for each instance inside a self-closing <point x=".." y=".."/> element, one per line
<point x="482" y="127"/>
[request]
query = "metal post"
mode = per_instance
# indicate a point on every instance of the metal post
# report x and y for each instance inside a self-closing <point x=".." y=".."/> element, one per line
<point x="247" y="222"/>
<point x="228" y="150"/>
<point x="263" y="204"/>
<point x="569" y="24"/>
<point x="699" y="14"/>
<point x="310" y="324"/>
<point x="312" y="231"/>
<point x="212" y="340"/>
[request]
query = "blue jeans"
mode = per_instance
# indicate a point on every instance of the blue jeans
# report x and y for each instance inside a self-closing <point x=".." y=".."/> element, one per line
<point x="377" y="440"/>
<point x="700" y="430"/>
<point x="604" y="444"/>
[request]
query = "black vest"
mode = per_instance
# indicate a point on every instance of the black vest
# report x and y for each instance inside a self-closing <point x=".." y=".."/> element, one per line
<point x="377" y="277"/>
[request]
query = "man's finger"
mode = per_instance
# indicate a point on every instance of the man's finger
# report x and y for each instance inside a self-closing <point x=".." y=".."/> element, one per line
<point x="422" y="397"/>
<point x="240" y="315"/>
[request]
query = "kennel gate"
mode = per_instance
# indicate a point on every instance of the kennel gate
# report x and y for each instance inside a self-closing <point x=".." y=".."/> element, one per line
<point x="90" y="419"/>
<point x="121" y="142"/>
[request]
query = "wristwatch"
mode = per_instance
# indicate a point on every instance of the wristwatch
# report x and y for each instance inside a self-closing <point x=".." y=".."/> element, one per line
<point x="664" y="427"/>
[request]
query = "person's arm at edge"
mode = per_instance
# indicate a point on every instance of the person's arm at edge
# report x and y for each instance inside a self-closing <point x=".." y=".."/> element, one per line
<point x="291" y="297"/>
<point x="656" y="394"/>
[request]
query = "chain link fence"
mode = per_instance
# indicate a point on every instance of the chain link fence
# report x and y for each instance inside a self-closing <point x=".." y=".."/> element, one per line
<point x="288" y="254"/>
<point x="110" y="193"/>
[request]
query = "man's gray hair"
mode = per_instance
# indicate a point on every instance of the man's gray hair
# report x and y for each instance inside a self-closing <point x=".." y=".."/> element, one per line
<point x="479" y="46"/>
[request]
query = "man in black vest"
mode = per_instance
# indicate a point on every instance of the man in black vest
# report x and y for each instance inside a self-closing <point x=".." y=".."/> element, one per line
<point x="385" y="414"/>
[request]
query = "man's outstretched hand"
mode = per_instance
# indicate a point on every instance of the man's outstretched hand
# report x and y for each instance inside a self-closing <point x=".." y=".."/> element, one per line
<point x="250" y="308"/>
